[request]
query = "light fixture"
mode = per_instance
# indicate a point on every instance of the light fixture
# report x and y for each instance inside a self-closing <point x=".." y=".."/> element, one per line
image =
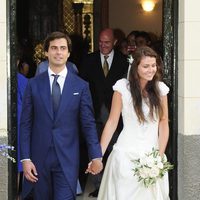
<point x="148" y="5"/>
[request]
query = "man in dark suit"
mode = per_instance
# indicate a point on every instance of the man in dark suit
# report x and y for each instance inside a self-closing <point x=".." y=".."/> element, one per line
<point x="56" y="103"/>
<point x="102" y="69"/>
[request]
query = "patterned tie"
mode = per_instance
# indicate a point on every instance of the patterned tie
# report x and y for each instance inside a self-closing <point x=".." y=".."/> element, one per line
<point x="105" y="66"/>
<point x="56" y="94"/>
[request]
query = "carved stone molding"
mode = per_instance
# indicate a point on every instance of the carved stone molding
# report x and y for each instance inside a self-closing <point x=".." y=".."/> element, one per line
<point x="12" y="93"/>
<point x="170" y="34"/>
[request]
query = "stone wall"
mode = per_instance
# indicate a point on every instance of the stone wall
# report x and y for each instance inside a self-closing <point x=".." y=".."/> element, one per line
<point x="3" y="101"/>
<point x="189" y="101"/>
<point x="3" y="172"/>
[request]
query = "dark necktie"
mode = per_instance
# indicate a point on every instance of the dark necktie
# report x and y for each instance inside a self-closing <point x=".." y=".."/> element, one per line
<point x="56" y="94"/>
<point x="105" y="66"/>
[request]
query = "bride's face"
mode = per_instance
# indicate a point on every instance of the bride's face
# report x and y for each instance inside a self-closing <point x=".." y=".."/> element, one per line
<point x="147" y="68"/>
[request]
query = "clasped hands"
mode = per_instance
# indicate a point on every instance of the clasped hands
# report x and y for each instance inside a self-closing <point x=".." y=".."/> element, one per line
<point x="95" y="166"/>
<point x="30" y="172"/>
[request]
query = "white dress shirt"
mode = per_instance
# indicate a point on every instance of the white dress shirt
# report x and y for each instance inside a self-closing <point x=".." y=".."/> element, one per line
<point x="61" y="78"/>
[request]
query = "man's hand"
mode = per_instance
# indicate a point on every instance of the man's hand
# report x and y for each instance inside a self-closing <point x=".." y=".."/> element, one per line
<point x="95" y="166"/>
<point x="30" y="171"/>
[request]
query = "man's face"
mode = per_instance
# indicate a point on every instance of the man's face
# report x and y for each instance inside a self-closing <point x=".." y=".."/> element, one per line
<point x="106" y="42"/>
<point x="58" y="53"/>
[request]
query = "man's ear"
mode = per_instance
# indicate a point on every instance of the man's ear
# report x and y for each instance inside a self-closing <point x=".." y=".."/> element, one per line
<point x="68" y="55"/>
<point x="46" y="54"/>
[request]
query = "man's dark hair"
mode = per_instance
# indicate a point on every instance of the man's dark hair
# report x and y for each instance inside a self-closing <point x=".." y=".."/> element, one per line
<point x="57" y="35"/>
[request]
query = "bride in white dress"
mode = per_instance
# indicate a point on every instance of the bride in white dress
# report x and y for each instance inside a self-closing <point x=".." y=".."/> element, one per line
<point x="142" y="101"/>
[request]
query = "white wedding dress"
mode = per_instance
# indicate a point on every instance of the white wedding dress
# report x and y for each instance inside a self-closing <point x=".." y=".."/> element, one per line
<point x="119" y="182"/>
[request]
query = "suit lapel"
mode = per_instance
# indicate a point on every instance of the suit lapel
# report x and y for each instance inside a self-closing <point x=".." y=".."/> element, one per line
<point x="45" y="92"/>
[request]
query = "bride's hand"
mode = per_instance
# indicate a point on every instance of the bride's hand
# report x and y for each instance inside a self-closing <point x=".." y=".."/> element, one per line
<point x="88" y="170"/>
<point x="95" y="166"/>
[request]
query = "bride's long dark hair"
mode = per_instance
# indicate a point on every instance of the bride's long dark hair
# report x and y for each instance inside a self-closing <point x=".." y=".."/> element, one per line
<point x="150" y="91"/>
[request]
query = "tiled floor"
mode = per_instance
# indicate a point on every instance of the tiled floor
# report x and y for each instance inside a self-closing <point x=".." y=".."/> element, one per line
<point x="88" y="188"/>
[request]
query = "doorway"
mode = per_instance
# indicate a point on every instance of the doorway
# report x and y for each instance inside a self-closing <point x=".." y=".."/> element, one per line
<point x="170" y="31"/>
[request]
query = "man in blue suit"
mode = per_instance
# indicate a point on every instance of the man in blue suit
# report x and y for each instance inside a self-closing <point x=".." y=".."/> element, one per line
<point x="42" y="67"/>
<point x="49" y="139"/>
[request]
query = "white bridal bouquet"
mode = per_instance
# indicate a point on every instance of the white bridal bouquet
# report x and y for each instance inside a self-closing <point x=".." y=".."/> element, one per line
<point x="4" y="152"/>
<point x="151" y="167"/>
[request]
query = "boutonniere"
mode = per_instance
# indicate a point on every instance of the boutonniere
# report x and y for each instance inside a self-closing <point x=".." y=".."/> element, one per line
<point x="130" y="59"/>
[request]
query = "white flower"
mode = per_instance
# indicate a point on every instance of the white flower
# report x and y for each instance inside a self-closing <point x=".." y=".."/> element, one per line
<point x="154" y="171"/>
<point x="158" y="159"/>
<point x="150" y="161"/>
<point x="160" y="165"/>
<point x="151" y="167"/>
<point x="130" y="59"/>
<point x="143" y="161"/>
<point x="144" y="172"/>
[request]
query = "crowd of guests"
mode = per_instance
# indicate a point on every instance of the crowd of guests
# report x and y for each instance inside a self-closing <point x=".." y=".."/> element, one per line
<point x="114" y="49"/>
<point x="127" y="44"/>
<point x="28" y="66"/>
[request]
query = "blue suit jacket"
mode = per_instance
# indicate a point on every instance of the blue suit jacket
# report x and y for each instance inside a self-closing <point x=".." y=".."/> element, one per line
<point x="38" y="127"/>
<point x="43" y="66"/>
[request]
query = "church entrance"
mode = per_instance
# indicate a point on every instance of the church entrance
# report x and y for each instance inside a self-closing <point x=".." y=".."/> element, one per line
<point x="30" y="21"/>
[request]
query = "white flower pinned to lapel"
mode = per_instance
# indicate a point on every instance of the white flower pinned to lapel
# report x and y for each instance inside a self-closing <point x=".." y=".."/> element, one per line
<point x="130" y="59"/>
